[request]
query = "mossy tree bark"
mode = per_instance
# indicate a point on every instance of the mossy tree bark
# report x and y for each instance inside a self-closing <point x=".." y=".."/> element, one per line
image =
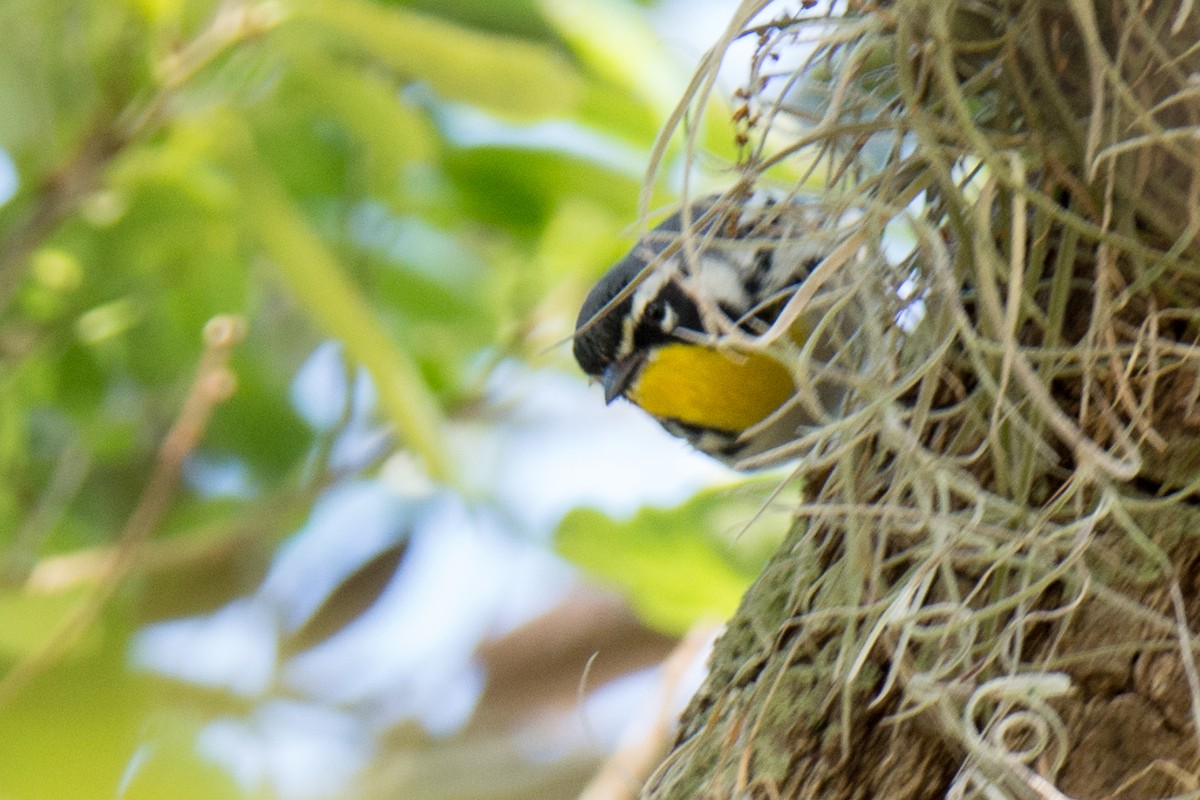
<point x="992" y="586"/>
<point x="775" y="720"/>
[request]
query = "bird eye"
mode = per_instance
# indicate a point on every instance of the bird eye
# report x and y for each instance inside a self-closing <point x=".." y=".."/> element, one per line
<point x="656" y="311"/>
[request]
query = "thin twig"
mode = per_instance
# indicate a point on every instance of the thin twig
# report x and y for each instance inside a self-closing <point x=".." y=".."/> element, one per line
<point x="60" y="195"/>
<point x="622" y="775"/>
<point x="213" y="383"/>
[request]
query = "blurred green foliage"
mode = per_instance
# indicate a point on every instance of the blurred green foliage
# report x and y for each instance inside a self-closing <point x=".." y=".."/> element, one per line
<point x="684" y="564"/>
<point x="402" y="177"/>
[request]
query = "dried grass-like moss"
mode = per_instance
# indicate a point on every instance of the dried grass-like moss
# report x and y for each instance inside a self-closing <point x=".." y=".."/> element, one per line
<point x="1004" y="514"/>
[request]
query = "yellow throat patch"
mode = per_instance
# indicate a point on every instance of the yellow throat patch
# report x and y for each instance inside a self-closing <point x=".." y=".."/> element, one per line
<point x="710" y="388"/>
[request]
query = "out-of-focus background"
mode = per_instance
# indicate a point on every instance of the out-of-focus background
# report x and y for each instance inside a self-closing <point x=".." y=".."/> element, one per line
<point x="302" y="495"/>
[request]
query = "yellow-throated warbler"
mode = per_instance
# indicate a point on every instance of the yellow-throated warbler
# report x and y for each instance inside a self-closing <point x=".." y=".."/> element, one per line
<point x="680" y="340"/>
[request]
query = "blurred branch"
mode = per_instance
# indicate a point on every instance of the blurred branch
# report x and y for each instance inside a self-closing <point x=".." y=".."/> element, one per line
<point x="536" y="669"/>
<point x="58" y="198"/>
<point x="327" y="441"/>
<point x="67" y="186"/>
<point x="314" y="274"/>
<point x="235" y="21"/>
<point x="647" y="739"/>
<point x="68" y="476"/>
<point x="213" y="383"/>
<point x="209" y="543"/>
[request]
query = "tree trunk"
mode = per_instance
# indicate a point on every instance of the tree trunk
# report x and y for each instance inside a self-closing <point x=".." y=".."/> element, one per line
<point x="785" y="714"/>
<point x="991" y="586"/>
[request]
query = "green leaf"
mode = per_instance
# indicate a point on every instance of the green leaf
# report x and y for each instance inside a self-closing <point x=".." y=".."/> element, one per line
<point x="168" y="763"/>
<point x="314" y="275"/>
<point x="521" y="189"/>
<point x="393" y="131"/>
<point x="69" y="733"/>
<point x="511" y="18"/>
<point x="506" y="75"/>
<point x="676" y="566"/>
<point x="258" y="424"/>
<point x="27" y="621"/>
<point x="640" y="65"/>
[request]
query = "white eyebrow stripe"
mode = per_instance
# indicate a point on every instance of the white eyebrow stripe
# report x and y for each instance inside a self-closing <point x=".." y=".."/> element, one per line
<point x="646" y="291"/>
<point x="649" y="289"/>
